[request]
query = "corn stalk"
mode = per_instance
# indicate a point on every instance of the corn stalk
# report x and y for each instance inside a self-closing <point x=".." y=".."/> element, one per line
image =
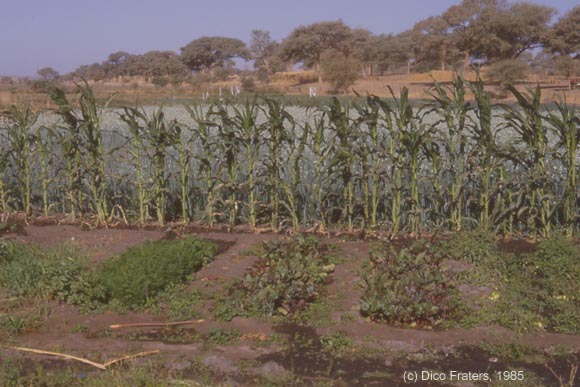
<point x="250" y="137"/>
<point x="202" y="133"/>
<point x="450" y="104"/>
<point x="21" y="139"/>
<point x="135" y="120"/>
<point x="345" y="133"/>
<point x="527" y="121"/>
<point x="566" y="124"/>
<point x="277" y="117"/>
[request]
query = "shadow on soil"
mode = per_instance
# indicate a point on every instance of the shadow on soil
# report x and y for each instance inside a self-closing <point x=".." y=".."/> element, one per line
<point x="307" y="358"/>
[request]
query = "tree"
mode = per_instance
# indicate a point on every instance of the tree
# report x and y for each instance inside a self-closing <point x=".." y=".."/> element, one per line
<point x="392" y="51"/>
<point x="461" y="19"/>
<point x="564" y="36"/>
<point x="307" y="43"/>
<point x="433" y="41"/>
<point x="339" y="70"/>
<point x="207" y="53"/>
<point x="48" y="74"/>
<point x="264" y="52"/>
<point x="508" y="31"/>
<point x="362" y="46"/>
<point x="118" y="58"/>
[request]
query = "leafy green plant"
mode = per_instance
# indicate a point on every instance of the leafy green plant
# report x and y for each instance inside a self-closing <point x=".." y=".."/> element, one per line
<point x="408" y="287"/>
<point x="178" y="302"/>
<point x="470" y="246"/>
<point x="143" y="271"/>
<point x="286" y="278"/>
<point x="219" y="336"/>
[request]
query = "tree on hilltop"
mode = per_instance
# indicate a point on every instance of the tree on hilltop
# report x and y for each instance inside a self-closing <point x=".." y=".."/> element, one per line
<point x="307" y="43"/>
<point x="208" y="53"/>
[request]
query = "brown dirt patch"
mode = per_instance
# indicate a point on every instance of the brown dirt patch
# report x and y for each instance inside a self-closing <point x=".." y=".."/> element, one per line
<point x="99" y="243"/>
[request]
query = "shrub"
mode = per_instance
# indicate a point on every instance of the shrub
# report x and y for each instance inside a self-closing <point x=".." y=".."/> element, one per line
<point x="248" y="84"/>
<point x="287" y="277"/>
<point x="408" y="287"/>
<point x="508" y="71"/>
<point x="338" y="70"/>
<point x="143" y="271"/>
<point x="160" y="81"/>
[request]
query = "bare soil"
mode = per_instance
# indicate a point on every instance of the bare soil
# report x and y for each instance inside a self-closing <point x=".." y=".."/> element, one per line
<point x="268" y="349"/>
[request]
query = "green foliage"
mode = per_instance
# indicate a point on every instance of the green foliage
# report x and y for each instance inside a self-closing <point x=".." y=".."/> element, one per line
<point x="179" y="303"/>
<point x="219" y="336"/>
<point x="143" y="271"/>
<point x="287" y="277"/>
<point x="531" y="292"/>
<point x="61" y="273"/>
<point x="470" y="246"/>
<point x="554" y="273"/>
<point x="336" y="342"/>
<point x="408" y="287"/>
<point x="375" y="164"/>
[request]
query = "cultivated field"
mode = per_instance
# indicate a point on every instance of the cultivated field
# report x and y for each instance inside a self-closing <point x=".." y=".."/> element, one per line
<point x="278" y="241"/>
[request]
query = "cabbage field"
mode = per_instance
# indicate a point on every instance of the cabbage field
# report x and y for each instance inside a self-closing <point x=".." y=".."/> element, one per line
<point x="455" y="162"/>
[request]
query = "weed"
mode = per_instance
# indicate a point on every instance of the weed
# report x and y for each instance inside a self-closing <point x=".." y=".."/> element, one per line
<point x="337" y="342"/>
<point x="178" y="303"/>
<point x="219" y="336"/>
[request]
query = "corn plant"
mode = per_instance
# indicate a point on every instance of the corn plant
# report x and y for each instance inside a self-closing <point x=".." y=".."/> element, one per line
<point x="44" y="139"/>
<point x="230" y="148"/>
<point x="83" y="143"/>
<point x="397" y="117"/>
<point x="413" y="137"/>
<point x="21" y="139"/>
<point x="321" y="151"/>
<point x="4" y="206"/>
<point x="183" y="158"/>
<point x="135" y="120"/>
<point x="275" y="127"/>
<point x="566" y="124"/>
<point x="432" y="152"/>
<point x="345" y="133"/>
<point x="250" y="136"/>
<point x="68" y="136"/>
<point x="450" y="104"/>
<point x="204" y="155"/>
<point x="158" y="134"/>
<point x="526" y="120"/>
<point x="297" y="144"/>
<point x="370" y="154"/>
<point x="485" y="151"/>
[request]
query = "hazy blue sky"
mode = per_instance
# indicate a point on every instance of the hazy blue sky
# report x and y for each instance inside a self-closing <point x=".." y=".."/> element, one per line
<point x="65" y="34"/>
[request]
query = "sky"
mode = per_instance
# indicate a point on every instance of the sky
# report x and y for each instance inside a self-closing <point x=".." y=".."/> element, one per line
<point x="64" y="34"/>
